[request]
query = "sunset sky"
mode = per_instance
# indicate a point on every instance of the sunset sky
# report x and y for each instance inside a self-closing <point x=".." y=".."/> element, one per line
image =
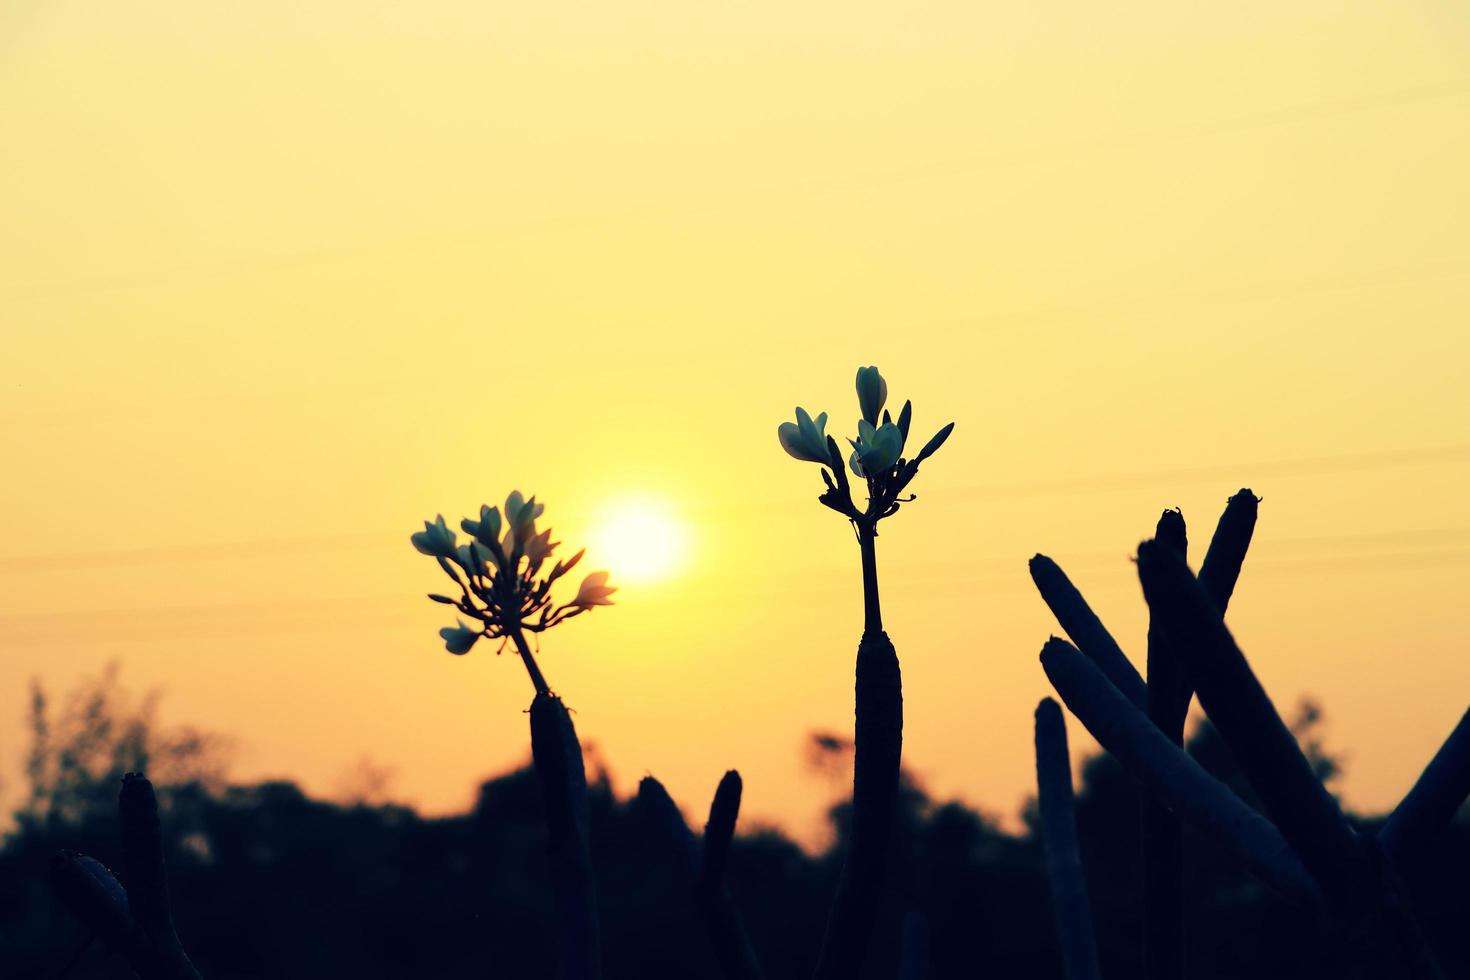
<point x="278" y="281"/>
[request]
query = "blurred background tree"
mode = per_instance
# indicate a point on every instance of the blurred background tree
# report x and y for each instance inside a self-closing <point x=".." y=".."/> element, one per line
<point x="269" y="882"/>
<point x="82" y="743"/>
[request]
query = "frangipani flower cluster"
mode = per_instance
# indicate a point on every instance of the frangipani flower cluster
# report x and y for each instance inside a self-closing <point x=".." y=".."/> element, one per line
<point x="499" y="575"/>
<point x="877" y="452"/>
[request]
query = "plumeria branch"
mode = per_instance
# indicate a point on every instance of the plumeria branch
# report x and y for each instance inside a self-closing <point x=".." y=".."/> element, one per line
<point x="496" y="573"/>
<point x="877" y="459"/>
<point x="503" y="590"/>
<point x="877" y="456"/>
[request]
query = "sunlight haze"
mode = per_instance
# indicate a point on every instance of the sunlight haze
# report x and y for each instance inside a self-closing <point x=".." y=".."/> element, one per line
<point x="280" y="281"/>
<point x="640" y="540"/>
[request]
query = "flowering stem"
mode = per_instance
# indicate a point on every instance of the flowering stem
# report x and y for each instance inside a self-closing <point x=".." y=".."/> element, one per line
<point x="872" y="614"/>
<point x="519" y="636"/>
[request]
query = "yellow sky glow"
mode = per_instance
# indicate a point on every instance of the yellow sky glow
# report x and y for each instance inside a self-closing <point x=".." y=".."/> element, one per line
<point x="278" y="281"/>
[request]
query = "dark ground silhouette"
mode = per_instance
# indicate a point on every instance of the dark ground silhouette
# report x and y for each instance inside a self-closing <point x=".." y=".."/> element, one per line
<point x="268" y="882"/>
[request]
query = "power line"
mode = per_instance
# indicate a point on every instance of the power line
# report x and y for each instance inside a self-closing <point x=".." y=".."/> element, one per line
<point x="1454" y="453"/>
<point x="207" y="551"/>
<point x="376" y="613"/>
<point x="1241" y="472"/>
<point x="746" y="197"/>
<point x="1426" y="540"/>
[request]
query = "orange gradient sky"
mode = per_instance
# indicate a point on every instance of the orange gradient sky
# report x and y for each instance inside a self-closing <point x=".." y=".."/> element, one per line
<point x="280" y="280"/>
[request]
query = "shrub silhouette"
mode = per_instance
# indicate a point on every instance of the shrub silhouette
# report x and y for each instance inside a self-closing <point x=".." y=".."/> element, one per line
<point x="268" y="882"/>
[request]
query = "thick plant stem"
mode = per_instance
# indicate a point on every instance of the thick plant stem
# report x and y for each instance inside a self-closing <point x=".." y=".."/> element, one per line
<point x="1169" y="687"/>
<point x="719" y="830"/>
<point x="727" y="931"/>
<point x="147" y="885"/>
<point x="872" y="613"/>
<point x="538" y="680"/>
<point x="1169" y="694"/>
<point x="702" y="868"/>
<point x="913" y="953"/>
<point x="1059" y="839"/>
<point x="97" y="900"/>
<point x="1168" y="684"/>
<point x="1374" y="936"/>
<point x="1086" y="630"/>
<point x="1162" y="834"/>
<point x="136" y="921"/>
<point x="557" y="756"/>
<point x="878" y="745"/>
<point x="1173" y="777"/>
<point x="1268" y="754"/>
<point x="1163" y="893"/>
<point x="1220" y="570"/>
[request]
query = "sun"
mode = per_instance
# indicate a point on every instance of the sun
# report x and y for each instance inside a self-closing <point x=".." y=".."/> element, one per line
<point x="639" y="541"/>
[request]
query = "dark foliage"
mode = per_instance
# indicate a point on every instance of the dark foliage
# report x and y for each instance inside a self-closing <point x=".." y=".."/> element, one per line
<point x="267" y="882"/>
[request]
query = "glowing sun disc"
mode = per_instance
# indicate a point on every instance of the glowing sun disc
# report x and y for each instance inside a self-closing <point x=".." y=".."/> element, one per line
<point x="638" y="541"/>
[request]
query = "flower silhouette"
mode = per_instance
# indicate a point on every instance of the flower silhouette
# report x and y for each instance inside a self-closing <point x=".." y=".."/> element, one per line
<point x="498" y="575"/>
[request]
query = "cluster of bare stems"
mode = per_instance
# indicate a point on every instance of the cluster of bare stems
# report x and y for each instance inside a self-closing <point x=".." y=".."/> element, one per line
<point x="1344" y="881"/>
